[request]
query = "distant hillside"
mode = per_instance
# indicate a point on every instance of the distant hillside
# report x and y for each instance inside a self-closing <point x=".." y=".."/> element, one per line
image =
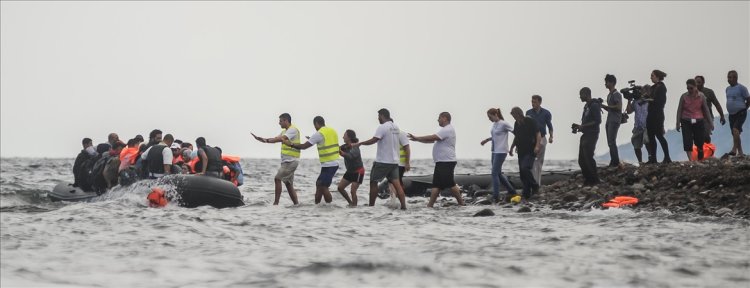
<point x="721" y="137"/>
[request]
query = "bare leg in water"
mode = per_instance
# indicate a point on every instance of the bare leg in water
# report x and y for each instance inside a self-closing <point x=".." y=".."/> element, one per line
<point x="399" y="192"/>
<point x="292" y="192"/>
<point x="342" y="189"/>
<point x="454" y="190"/>
<point x="322" y="192"/>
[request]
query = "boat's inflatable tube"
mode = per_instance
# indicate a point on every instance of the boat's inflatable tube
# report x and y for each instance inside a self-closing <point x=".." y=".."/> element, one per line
<point x="417" y="185"/>
<point x="199" y="190"/>
<point x="66" y="192"/>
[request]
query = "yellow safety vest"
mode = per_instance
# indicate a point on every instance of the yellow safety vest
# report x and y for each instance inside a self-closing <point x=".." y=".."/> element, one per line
<point x="402" y="155"/>
<point x="329" y="149"/>
<point x="288" y="150"/>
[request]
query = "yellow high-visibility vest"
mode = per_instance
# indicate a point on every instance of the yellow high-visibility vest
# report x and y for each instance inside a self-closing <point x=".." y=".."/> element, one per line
<point x="329" y="149"/>
<point x="288" y="150"/>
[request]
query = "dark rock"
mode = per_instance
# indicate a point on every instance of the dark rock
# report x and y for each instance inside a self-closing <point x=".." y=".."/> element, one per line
<point x="483" y="201"/>
<point x="484" y="213"/>
<point x="570" y="198"/>
<point x="597" y="202"/>
<point x="524" y="209"/>
<point x="482" y="193"/>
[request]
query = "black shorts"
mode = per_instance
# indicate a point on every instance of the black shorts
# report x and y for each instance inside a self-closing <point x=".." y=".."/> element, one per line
<point x="736" y="120"/>
<point x="355" y="176"/>
<point x="443" y="175"/>
<point x="401" y="171"/>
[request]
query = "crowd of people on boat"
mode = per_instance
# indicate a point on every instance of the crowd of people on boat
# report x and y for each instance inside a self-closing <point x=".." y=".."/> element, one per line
<point x="101" y="168"/>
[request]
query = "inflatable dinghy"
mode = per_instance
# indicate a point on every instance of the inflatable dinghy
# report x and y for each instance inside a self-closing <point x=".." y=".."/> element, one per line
<point x="197" y="190"/>
<point x="420" y="185"/>
<point x="66" y="192"/>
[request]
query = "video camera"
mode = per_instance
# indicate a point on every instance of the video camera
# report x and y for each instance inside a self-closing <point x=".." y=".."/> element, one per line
<point x="633" y="92"/>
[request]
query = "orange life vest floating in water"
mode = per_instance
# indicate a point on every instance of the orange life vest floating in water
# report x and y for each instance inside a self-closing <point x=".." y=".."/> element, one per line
<point x="620" y="201"/>
<point x="157" y="198"/>
<point x="708" y="151"/>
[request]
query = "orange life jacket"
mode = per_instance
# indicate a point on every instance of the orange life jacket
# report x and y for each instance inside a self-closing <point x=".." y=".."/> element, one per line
<point x="156" y="198"/>
<point x="192" y="163"/>
<point x="230" y="174"/>
<point x="178" y="159"/>
<point x="132" y="152"/>
<point x="708" y="151"/>
<point x="620" y="201"/>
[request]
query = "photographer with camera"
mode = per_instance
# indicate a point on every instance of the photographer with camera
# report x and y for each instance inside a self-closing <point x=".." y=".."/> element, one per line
<point x="655" y="118"/>
<point x="638" y="103"/>
<point x="614" y="118"/>
<point x="589" y="126"/>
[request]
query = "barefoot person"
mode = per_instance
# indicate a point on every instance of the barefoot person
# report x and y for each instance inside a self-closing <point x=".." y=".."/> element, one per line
<point x="289" y="157"/>
<point x="328" y="152"/>
<point x="386" y="161"/>
<point x="355" y="170"/>
<point x="444" y="155"/>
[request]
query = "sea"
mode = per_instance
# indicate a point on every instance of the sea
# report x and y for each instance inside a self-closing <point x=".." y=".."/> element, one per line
<point x="116" y="240"/>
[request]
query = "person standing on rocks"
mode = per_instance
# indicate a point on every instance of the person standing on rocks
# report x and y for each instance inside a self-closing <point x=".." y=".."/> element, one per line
<point x="544" y="121"/>
<point x="710" y="100"/>
<point x="499" y="139"/>
<point x="590" y="121"/>
<point x="614" y="118"/>
<point x="738" y="100"/>
<point x="444" y="155"/>
<point x="640" y="108"/>
<point x="655" y="118"/>
<point x="692" y="117"/>
<point x="528" y="141"/>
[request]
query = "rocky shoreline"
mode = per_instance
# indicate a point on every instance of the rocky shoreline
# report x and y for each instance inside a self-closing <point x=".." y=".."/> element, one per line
<point x="713" y="187"/>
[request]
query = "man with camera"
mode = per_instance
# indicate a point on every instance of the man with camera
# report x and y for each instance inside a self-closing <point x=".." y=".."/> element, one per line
<point x="614" y="118"/>
<point x="589" y="126"/>
<point x="638" y="104"/>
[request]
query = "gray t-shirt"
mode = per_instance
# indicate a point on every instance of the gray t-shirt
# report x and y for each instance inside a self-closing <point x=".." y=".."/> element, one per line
<point x="444" y="149"/>
<point x="613" y="99"/>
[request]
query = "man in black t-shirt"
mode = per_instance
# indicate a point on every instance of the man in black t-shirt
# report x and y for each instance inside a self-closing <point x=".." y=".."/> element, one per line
<point x="528" y="142"/>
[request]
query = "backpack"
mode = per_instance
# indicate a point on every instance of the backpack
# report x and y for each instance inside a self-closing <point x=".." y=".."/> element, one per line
<point x="95" y="178"/>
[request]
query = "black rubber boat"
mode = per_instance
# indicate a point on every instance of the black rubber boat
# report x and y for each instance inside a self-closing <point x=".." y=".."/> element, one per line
<point x="421" y="184"/>
<point x="188" y="190"/>
<point x="196" y="190"/>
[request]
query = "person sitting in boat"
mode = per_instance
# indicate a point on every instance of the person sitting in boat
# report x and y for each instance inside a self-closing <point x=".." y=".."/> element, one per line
<point x="111" y="168"/>
<point x="128" y="156"/>
<point x="210" y="159"/>
<point x="232" y="168"/>
<point x="159" y="158"/>
<point x="86" y="153"/>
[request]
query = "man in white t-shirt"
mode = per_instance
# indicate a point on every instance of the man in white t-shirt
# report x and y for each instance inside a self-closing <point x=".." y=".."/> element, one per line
<point x="289" y="157"/>
<point x="444" y="155"/>
<point x="387" y="158"/>
<point x="328" y="152"/>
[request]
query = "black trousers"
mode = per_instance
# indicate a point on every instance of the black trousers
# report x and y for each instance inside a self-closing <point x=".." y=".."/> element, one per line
<point x="586" y="157"/>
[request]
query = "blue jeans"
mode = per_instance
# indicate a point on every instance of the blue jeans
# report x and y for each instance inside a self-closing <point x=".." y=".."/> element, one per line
<point x="498" y="177"/>
<point x="525" y="163"/>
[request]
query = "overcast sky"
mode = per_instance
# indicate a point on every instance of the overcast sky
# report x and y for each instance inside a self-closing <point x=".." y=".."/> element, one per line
<point x="222" y="70"/>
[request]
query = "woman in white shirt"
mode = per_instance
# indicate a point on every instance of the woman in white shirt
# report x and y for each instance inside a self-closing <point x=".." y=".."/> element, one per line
<point x="499" y="138"/>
